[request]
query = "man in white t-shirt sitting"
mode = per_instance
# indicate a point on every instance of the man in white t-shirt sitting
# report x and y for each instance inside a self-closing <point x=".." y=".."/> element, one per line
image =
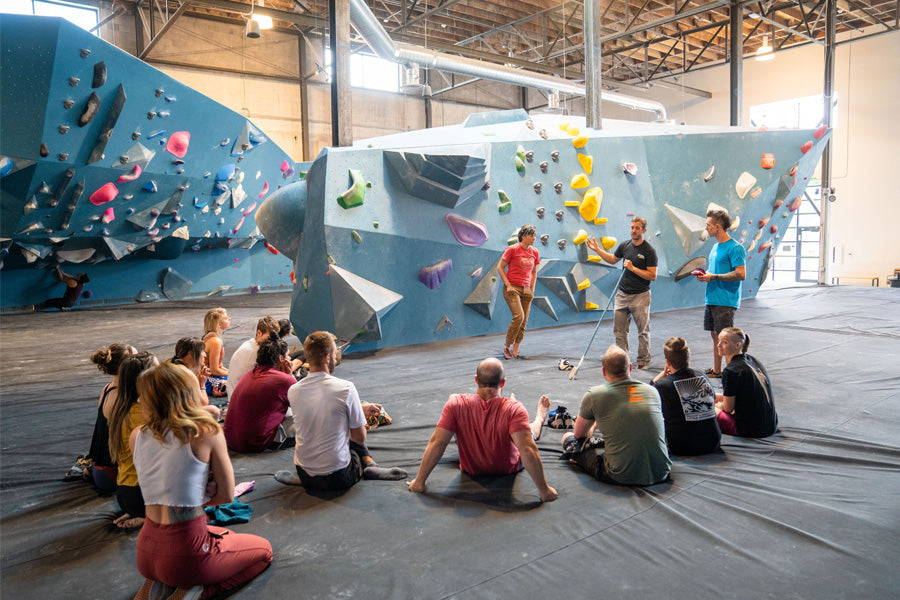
<point x="330" y="425"/>
<point x="244" y="358"/>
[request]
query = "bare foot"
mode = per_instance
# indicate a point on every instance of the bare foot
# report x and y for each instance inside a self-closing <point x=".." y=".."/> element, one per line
<point x="543" y="409"/>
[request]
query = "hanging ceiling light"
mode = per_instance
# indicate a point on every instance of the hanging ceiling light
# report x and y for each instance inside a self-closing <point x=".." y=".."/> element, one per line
<point x="765" y="52"/>
<point x="264" y="21"/>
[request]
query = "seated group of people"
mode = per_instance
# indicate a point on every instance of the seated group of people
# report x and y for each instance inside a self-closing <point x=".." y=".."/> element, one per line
<point x="171" y="443"/>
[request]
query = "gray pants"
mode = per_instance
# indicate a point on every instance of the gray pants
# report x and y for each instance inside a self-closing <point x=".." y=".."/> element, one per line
<point x="636" y="307"/>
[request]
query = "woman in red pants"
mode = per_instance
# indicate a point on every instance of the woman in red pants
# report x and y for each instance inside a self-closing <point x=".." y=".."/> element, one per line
<point x="182" y="463"/>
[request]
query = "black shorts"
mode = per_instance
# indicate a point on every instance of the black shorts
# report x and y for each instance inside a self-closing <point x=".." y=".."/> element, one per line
<point x="717" y="318"/>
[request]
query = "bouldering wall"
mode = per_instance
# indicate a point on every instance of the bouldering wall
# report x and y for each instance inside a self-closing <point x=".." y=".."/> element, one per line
<point x="396" y="240"/>
<point x="112" y="168"/>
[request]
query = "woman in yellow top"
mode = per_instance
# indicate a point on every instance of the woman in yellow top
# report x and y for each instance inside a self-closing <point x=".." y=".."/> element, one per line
<point x="124" y="417"/>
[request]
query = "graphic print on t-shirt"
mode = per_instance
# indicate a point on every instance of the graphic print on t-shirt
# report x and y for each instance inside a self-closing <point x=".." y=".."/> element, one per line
<point x="698" y="400"/>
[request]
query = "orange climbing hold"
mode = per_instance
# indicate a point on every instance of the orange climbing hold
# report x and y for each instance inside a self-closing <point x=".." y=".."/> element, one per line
<point x="768" y="161"/>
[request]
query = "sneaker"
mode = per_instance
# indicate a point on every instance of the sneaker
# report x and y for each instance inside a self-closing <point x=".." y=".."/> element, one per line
<point x="507" y="354"/>
<point x="643" y="365"/>
<point x="713" y="374"/>
<point x="564" y="365"/>
<point x="80" y="471"/>
<point x="154" y="590"/>
<point x="193" y="593"/>
<point x="570" y="447"/>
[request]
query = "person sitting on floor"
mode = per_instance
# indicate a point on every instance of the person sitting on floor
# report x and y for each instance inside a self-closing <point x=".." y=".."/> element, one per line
<point x="330" y="425"/>
<point x="74" y="285"/>
<point x="215" y="323"/>
<point x="493" y="434"/>
<point x="104" y="471"/>
<point x="746" y="406"/>
<point x="124" y="417"/>
<point x="175" y="452"/>
<point x="627" y="414"/>
<point x="259" y="412"/>
<point x="688" y="403"/>
<point x="190" y="353"/>
<point x="244" y="358"/>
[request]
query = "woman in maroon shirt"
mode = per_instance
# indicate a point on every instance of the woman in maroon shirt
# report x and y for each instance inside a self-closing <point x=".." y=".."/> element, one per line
<point x="518" y="268"/>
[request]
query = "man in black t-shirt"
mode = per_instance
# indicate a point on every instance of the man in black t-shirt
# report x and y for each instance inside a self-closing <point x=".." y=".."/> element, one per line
<point x="633" y="295"/>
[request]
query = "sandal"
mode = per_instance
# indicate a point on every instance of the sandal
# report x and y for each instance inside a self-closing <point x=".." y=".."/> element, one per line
<point x="713" y="374"/>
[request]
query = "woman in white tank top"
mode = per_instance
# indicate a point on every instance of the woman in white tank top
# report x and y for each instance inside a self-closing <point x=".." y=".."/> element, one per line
<point x="182" y="463"/>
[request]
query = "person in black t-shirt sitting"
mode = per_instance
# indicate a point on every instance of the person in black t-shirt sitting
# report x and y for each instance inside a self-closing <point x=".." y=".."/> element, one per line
<point x="746" y="406"/>
<point x="688" y="403"/>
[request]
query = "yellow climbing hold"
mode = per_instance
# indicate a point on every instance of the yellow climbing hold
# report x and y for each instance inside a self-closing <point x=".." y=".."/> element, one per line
<point x="594" y="258"/>
<point x="584" y="284"/>
<point x="573" y="203"/>
<point x="580" y="142"/>
<point x="564" y="126"/>
<point x="580" y="181"/>
<point x="572" y="130"/>
<point x="580" y="237"/>
<point x="608" y="241"/>
<point x="590" y="206"/>
<point x="587" y="162"/>
<point x="601" y="221"/>
<point x="590" y="306"/>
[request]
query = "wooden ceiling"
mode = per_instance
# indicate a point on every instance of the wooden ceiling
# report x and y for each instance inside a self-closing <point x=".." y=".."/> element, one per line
<point x="642" y="40"/>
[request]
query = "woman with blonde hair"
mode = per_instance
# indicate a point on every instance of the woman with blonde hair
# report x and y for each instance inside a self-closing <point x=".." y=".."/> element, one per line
<point x="215" y="322"/>
<point x="746" y="406"/>
<point x="183" y="465"/>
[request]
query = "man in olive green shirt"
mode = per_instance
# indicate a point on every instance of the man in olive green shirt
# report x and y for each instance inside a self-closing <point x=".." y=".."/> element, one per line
<point x="628" y="414"/>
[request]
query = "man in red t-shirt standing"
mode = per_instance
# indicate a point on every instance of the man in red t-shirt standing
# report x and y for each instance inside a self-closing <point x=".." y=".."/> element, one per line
<point x="493" y="435"/>
<point x="518" y="270"/>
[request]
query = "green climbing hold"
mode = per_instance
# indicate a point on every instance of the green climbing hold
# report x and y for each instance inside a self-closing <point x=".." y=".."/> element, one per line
<point x="520" y="165"/>
<point x="302" y="174"/>
<point x="375" y="224"/>
<point x="356" y="237"/>
<point x="512" y="240"/>
<point x="520" y="152"/>
<point x="504" y="197"/>
<point x="505" y="206"/>
<point x="357" y="192"/>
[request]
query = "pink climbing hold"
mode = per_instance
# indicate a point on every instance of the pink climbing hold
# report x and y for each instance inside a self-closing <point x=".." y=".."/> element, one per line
<point x="135" y="173"/>
<point x="796" y="203"/>
<point x="250" y="209"/>
<point x="820" y="131"/>
<point x="178" y="143"/>
<point x="109" y="215"/>
<point x="264" y="191"/>
<point x="765" y="246"/>
<point x="285" y="166"/>
<point x="806" y="147"/>
<point x="238" y="226"/>
<point x="104" y="194"/>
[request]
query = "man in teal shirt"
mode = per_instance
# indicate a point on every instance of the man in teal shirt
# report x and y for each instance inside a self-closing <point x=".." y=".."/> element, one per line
<point x="723" y="290"/>
<point x="628" y="415"/>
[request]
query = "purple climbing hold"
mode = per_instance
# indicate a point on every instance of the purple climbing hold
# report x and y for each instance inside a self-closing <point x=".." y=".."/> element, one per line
<point x="467" y="232"/>
<point x="433" y="275"/>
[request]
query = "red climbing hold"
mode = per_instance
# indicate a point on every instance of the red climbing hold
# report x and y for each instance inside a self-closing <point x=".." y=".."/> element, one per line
<point x="270" y="247"/>
<point x="806" y="147"/>
<point x="773" y="229"/>
<point x="793" y="171"/>
<point x="820" y="131"/>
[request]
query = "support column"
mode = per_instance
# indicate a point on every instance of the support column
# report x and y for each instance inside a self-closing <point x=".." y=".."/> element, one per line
<point x="593" y="72"/>
<point x="339" y="38"/>
<point x="828" y="96"/>
<point x="138" y="31"/>
<point x="736" y="62"/>
<point x="426" y="95"/>
<point x="303" y="68"/>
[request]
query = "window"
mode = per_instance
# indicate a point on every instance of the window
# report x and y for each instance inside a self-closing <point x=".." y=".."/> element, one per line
<point x="800" y="113"/>
<point x="369" y="72"/>
<point x="83" y="16"/>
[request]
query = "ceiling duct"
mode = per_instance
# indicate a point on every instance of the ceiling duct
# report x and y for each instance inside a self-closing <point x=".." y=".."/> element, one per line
<point x="367" y="25"/>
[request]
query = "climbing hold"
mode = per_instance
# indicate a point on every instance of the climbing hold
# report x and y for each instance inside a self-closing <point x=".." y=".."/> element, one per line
<point x="156" y="134"/>
<point x="559" y="215"/>
<point x="608" y="242"/>
<point x="467" y="232"/>
<point x="99" y="74"/>
<point x="587" y="162"/>
<point x="444" y="322"/>
<point x="68" y="103"/>
<point x="63" y="129"/>
<point x="590" y="205"/>
<point x="544" y="239"/>
<point x="85" y="53"/>
<point x="537" y="187"/>
<point x="171" y="98"/>
<point x="529" y="156"/>
<point x="476" y="273"/>
<point x="806" y="147"/>
<point x="544" y="166"/>
<point x="45" y="151"/>
<point x="103" y="195"/>
<point x="773" y="229"/>
<point x="768" y="161"/>
<point x="555" y="155"/>
<point x="579" y="181"/>
<point x="540" y="212"/>
<point x="375" y="224"/>
<point x="150" y="115"/>
<point x="90" y="109"/>
<point x="30" y="205"/>
<point x="762" y="222"/>
<point x="178" y="143"/>
<point x="564" y="126"/>
<point x="543" y="133"/>
<point x="756" y="191"/>
<point x="73" y="81"/>
<point x="504" y="197"/>
<point x="584" y="284"/>
<point x="744" y="183"/>
<point x="777" y="204"/>
<point x="710" y="173"/>
<point x="558" y="186"/>
<point x="591" y="306"/>
<point x="221" y="220"/>
<point x="249" y="209"/>
<point x="573" y="131"/>
<point x="354" y="196"/>
<point x="433" y="275"/>
<point x="572" y="203"/>
<point x="512" y="239"/>
<point x="580" y="237"/>
<point x="485" y="187"/>
<point x="265" y="190"/>
<point x="630" y="213"/>
<point x="765" y="246"/>
<point x="580" y="142"/>
<point x="504" y="206"/>
<point x="561" y="244"/>
<point x="225" y="172"/>
<point x="520" y="152"/>
<point x="600" y="221"/>
<point x="818" y="133"/>
<point x="629" y="168"/>
<point x="135" y="173"/>
<point x="520" y="165"/>
<point x="163" y="113"/>
<point x="238" y="226"/>
<point x="796" y="203"/>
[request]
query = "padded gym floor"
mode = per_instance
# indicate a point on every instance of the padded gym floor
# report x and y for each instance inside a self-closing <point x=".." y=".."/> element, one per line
<point x="811" y="512"/>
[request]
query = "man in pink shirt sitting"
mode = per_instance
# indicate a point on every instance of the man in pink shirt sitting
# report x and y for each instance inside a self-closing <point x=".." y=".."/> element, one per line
<point x="493" y="435"/>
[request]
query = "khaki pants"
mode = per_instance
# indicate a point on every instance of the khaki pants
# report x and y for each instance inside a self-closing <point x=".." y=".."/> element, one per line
<point x="519" y="301"/>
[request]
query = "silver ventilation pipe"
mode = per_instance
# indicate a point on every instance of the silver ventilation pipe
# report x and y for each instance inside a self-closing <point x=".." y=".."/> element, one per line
<point x="367" y="25"/>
